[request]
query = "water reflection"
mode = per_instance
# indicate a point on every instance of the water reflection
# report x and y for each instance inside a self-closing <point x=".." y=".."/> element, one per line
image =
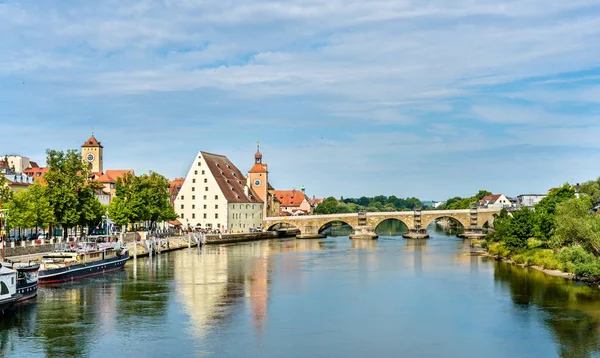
<point x="572" y="311"/>
<point x="249" y="299"/>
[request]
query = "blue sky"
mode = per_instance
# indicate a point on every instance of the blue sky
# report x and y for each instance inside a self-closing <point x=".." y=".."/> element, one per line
<point x="413" y="98"/>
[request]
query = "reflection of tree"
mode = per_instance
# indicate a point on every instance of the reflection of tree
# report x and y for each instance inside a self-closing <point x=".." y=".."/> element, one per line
<point x="573" y="310"/>
<point x="147" y="294"/>
<point x="391" y="227"/>
<point x="16" y="325"/>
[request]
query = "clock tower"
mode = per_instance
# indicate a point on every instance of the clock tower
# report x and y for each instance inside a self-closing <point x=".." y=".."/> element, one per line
<point x="258" y="178"/>
<point x="91" y="154"/>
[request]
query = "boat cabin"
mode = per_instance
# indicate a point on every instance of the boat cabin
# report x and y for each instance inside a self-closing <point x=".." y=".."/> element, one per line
<point x="8" y="282"/>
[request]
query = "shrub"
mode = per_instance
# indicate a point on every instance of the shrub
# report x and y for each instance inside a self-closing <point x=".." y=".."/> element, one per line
<point x="576" y="260"/>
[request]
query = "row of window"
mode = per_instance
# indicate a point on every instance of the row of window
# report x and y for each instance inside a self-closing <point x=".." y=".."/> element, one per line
<point x="238" y="216"/>
<point x="194" y="206"/>
<point x="194" y="196"/>
<point x="196" y="172"/>
<point x="205" y="180"/>
<point x="194" y="216"/>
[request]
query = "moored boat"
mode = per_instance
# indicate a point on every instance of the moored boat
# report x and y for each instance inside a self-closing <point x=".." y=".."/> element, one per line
<point x="8" y="288"/>
<point x="27" y="278"/>
<point x="72" y="262"/>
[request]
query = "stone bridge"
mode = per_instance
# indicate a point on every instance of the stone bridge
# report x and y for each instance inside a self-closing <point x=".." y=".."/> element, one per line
<point x="470" y="219"/>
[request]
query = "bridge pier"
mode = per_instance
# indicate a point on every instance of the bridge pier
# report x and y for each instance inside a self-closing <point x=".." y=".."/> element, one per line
<point x="416" y="233"/>
<point x="310" y="232"/>
<point x="472" y="232"/>
<point x="364" y="232"/>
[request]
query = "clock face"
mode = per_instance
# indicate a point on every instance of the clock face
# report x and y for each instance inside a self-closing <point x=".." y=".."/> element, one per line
<point x="89" y="157"/>
<point x="257" y="182"/>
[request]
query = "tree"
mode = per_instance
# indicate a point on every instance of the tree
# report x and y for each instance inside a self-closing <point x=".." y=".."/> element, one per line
<point x="5" y="191"/>
<point x="592" y="189"/>
<point x="20" y="211"/>
<point x="141" y="198"/>
<point x="546" y="210"/>
<point x="43" y="215"/>
<point x="327" y="206"/>
<point x="575" y="225"/>
<point x="89" y="208"/>
<point x="480" y="194"/>
<point x="69" y="188"/>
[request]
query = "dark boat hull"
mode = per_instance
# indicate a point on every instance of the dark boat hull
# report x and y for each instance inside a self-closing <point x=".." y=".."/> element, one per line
<point x="25" y="288"/>
<point x="73" y="272"/>
<point x="28" y="291"/>
<point x="7" y="303"/>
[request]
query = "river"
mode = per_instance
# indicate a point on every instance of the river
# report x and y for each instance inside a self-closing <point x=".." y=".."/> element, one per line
<point x="312" y="298"/>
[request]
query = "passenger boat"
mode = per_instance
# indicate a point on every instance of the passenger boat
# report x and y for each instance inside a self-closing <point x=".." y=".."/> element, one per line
<point x="8" y="288"/>
<point x="27" y="278"/>
<point x="81" y="260"/>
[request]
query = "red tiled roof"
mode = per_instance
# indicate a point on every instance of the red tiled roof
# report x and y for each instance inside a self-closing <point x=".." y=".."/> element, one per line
<point x="231" y="181"/>
<point x="92" y="142"/>
<point x="34" y="164"/>
<point x="259" y="168"/>
<point x="175" y="222"/>
<point x="289" y="198"/>
<point x="116" y="174"/>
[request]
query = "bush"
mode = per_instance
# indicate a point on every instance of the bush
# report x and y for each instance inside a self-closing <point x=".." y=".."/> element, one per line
<point x="576" y="260"/>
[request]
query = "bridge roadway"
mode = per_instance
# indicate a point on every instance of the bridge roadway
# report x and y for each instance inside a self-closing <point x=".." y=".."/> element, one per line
<point x="471" y="220"/>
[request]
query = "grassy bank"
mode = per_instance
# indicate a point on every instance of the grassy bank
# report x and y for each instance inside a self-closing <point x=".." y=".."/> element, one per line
<point x="573" y="260"/>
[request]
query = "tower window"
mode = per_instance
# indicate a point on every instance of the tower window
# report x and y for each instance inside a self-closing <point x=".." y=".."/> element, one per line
<point x="205" y="180"/>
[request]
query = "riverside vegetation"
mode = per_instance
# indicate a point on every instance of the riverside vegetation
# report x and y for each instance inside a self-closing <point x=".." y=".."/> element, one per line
<point x="66" y="197"/>
<point x="562" y="232"/>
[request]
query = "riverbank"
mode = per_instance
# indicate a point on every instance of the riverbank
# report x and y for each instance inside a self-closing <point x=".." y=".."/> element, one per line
<point x="479" y="248"/>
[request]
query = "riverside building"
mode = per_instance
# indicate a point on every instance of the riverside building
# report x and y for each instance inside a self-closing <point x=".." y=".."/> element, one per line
<point x="215" y="195"/>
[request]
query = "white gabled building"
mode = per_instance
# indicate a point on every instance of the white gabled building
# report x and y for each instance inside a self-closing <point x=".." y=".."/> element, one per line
<point x="216" y="195"/>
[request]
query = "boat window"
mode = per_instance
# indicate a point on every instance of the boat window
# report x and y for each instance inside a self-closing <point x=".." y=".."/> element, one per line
<point x="3" y="289"/>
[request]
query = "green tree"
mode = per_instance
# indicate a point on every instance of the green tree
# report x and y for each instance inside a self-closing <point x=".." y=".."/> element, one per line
<point x="592" y="189"/>
<point x="5" y="191"/>
<point x="576" y="225"/>
<point x="141" y="198"/>
<point x="68" y="183"/>
<point x="480" y="194"/>
<point x="20" y="210"/>
<point x="546" y="210"/>
<point x="43" y="215"/>
<point x="327" y="206"/>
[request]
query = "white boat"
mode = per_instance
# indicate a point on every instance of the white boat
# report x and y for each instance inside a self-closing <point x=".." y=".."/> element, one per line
<point x="8" y="288"/>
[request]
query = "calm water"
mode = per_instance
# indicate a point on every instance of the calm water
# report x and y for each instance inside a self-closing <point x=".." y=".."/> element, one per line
<point x="319" y="298"/>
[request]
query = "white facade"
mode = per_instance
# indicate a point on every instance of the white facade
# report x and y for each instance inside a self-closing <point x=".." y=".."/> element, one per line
<point x="18" y="162"/>
<point x="202" y="202"/>
<point x="529" y="200"/>
<point x="501" y="202"/>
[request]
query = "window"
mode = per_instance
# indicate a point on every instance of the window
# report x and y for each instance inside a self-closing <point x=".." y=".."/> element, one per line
<point x="205" y="180"/>
<point x="199" y="163"/>
<point x="181" y="215"/>
<point x="252" y="215"/>
<point x="194" y="180"/>
<point x="216" y="215"/>
<point x="233" y="206"/>
<point x="216" y="197"/>
<point x="196" y="172"/>
<point x="216" y="206"/>
<point x="193" y="189"/>
<point x="182" y="206"/>
<point x="246" y="215"/>
<point x="182" y="197"/>
<point x="203" y="172"/>
<point x="193" y="216"/>
<point x="204" y="206"/>
<point x="193" y="197"/>
<point x="252" y="206"/>
<point x="204" y="197"/>
<point x="205" y="215"/>
<point x="193" y="206"/>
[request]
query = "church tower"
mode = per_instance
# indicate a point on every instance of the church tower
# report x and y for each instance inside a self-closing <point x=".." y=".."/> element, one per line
<point x="91" y="154"/>
<point x="258" y="178"/>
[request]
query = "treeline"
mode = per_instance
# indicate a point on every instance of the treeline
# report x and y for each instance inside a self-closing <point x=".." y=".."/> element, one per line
<point x="561" y="232"/>
<point x="463" y="203"/>
<point x="66" y="198"/>
<point x="375" y="204"/>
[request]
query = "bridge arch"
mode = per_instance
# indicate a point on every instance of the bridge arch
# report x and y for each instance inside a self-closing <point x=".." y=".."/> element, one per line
<point x="391" y="227"/>
<point x="462" y="222"/>
<point x="281" y="225"/>
<point x="330" y="223"/>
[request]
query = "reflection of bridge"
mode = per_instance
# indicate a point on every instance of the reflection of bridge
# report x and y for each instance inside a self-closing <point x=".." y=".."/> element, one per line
<point x="470" y="219"/>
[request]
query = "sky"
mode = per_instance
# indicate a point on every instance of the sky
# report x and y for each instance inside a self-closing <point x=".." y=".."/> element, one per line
<point x="425" y="98"/>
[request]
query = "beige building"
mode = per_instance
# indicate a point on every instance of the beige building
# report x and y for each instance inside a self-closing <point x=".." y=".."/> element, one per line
<point x="92" y="155"/>
<point x="17" y="163"/>
<point x="216" y="195"/>
<point x="496" y="201"/>
<point x="293" y="202"/>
